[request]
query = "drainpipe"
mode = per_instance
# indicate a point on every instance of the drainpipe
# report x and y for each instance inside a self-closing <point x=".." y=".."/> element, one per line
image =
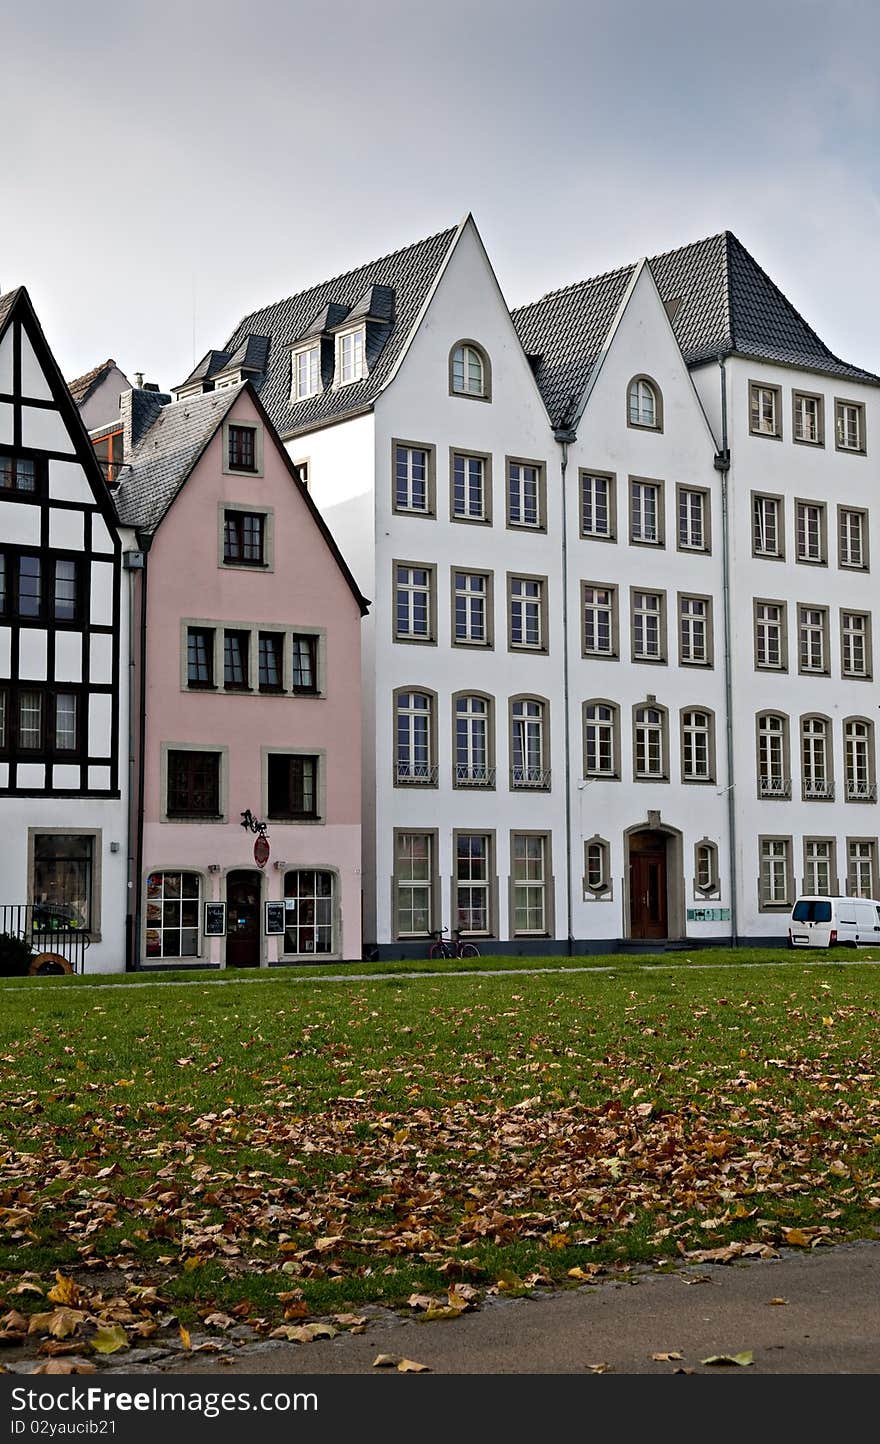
<point x="141" y="768"/>
<point x="564" y="437"/>
<point x="722" y="465"/>
<point x="131" y="901"/>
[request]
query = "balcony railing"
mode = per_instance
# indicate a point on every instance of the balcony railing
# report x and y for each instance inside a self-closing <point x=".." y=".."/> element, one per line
<point x="53" y="933"/>
<point x="473" y="774"/>
<point x="532" y="778"/>
<point x="861" y="791"/>
<point x="774" y="787"/>
<point x="818" y="790"/>
<point x="416" y="774"/>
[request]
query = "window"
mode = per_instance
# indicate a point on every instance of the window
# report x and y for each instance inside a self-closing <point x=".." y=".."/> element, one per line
<point x="819" y="866"/>
<point x="473" y="903"/>
<point x="469" y="371"/>
<point x="816" y="760"/>
<point x="529" y="882"/>
<point x="64" y="599"/>
<point x="350" y="357"/>
<point x="808" y="418"/>
<point x="858" y="757"/>
<point x="813" y="639"/>
<point x="414" y="729"/>
<point x="597" y="506"/>
<point x="65" y="722"/>
<point x="775" y="872"/>
<point x="697" y="746"/>
<point x="173" y="910"/>
<point x="242" y="441"/>
<point x="471" y="593"/>
<point x="648" y="627"/>
<point x="861" y="872"/>
<point x="193" y="784"/>
<point x="852" y="537"/>
<point x="301" y="471"/>
<point x="413" y="479"/>
<point x="473" y="750"/>
<point x="304" y="675"/>
<point x="4" y="719"/>
<point x="693" y="519"/>
<point x="62" y="877"/>
<point x="470" y="487"/>
<point x="695" y="631"/>
<point x="270" y="669"/>
<point x="705" y="868"/>
<point x="646" y="513"/>
<point x="855" y="644"/>
<point x="243" y="538"/>
<point x="525" y="494"/>
<point x="30" y="721"/>
<point x="650" y="744"/>
<point x="597" y="867"/>
<point x="306" y="367"/>
<point x="601" y="740"/>
<point x="3" y="587"/>
<point x="849" y="426"/>
<point x="309" y="908"/>
<point x="414" y="880"/>
<point x="770" y="635"/>
<point x="643" y="404"/>
<point x="527" y="601"/>
<point x="17" y="473"/>
<point x="292" y="786"/>
<point x="773" y="778"/>
<point x="30" y="591"/>
<point x="199" y="657"/>
<point x="110" y="451"/>
<point x="600" y="620"/>
<point x="810" y="524"/>
<point x="767" y="532"/>
<point x="528" y="739"/>
<point x="765" y="410"/>
<point x="413" y="602"/>
<point x="236" y="648"/>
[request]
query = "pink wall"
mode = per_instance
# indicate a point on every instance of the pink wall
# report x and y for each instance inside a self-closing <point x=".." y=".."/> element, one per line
<point x="305" y="588"/>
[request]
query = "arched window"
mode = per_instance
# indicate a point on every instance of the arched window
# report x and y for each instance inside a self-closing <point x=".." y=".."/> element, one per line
<point x="474" y="749"/>
<point x="816" y="759"/>
<point x="705" y="868"/>
<point x="173" y="910"/>
<point x="528" y="743"/>
<point x="644" y="403"/>
<point x="697" y="745"/>
<point x="469" y="371"/>
<point x="309" y="904"/>
<point x="650" y="749"/>
<point x="414" y="740"/>
<point x="858" y="752"/>
<point x="773" y="761"/>
<point x="601" y="739"/>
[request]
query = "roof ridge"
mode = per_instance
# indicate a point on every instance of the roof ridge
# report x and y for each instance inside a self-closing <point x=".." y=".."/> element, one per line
<point x="340" y="275"/>
<point x="618" y="271"/>
<point x="826" y="350"/>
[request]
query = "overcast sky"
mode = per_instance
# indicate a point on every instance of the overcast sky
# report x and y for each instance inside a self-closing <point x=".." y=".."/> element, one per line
<point x="167" y="167"/>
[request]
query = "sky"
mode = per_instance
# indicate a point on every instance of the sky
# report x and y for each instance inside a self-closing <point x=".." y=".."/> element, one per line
<point x="167" y="168"/>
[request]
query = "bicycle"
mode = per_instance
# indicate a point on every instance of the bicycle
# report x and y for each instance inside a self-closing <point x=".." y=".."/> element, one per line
<point x="451" y="947"/>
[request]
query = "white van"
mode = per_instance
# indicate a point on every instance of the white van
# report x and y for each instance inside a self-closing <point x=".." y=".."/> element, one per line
<point x="820" y="922"/>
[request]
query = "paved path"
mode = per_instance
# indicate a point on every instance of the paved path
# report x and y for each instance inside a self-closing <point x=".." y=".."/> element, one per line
<point x="829" y="1324"/>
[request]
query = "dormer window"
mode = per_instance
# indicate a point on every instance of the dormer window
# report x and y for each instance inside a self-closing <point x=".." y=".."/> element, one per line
<point x="469" y="371"/>
<point x="108" y="450"/>
<point x="306" y="379"/>
<point x="350" y="356"/>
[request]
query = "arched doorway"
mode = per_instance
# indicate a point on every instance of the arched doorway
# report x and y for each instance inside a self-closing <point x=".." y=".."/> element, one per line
<point x="655" y="893"/>
<point x="243" y="895"/>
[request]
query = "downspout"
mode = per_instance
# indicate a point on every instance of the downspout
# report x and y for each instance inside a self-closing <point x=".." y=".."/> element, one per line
<point x="142" y="739"/>
<point x="722" y="465"/>
<point x="129" y="825"/>
<point x="564" y="436"/>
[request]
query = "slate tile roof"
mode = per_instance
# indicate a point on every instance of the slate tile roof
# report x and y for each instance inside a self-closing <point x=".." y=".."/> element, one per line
<point x="7" y="305"/>
<point x="727" y="304"/>
<point x="82" y="387"/>
<point x="408" y="273"/>
<point x="163" y="457"/>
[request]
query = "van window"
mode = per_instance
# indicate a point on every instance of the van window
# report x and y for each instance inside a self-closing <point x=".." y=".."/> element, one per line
<point x="812" y="910"/>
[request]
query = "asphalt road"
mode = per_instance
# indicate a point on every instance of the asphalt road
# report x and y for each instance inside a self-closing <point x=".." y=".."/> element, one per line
<point x="828" y="1324"/>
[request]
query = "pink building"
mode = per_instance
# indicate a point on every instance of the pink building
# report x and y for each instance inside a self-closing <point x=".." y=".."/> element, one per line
<point x="248" y="675"/>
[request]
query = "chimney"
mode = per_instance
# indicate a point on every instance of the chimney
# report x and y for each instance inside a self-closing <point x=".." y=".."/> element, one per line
<point x="139" y="380"/>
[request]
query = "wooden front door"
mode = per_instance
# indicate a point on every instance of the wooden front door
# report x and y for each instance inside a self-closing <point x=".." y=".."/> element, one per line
<point x="647" y="886"/>
<point x="243" y="892"/>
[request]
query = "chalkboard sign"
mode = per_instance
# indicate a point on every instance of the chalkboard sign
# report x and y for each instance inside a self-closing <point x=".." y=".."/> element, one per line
<point x="215" y="920"/>
<point x="274" y="918"/>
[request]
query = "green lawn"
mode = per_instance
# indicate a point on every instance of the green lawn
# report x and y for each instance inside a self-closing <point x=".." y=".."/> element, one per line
<point x="227" y="1145"/>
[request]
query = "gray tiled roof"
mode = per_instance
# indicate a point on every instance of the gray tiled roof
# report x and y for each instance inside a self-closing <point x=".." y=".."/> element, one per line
<point x="81" y="387"/>
<point x="7" y="303"/>
<point x="165" y="455"/>
<point x="727" y="304"/>
<point x="408" y="273"/>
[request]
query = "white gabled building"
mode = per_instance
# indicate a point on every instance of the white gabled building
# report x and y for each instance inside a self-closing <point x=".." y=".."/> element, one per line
<point x="572" y="520"/>
<point x="63" y="658"/>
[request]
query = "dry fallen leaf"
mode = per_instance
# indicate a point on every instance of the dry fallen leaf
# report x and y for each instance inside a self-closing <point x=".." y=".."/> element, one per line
<point x="598" y="1368"/>
<point x="185" y="1338"/>
<point x="666" y="1358"/>
<point x="409" y="1366"/>
<point x="742" y="1360"/>
<point x="109" y="1339"/>
<point x="778" y="1301"/>
<point x="796" y="1237"/>
<point x="65" y="1366"/>
<point x="64" y="1291"/>
<point x="386" y="1361"/>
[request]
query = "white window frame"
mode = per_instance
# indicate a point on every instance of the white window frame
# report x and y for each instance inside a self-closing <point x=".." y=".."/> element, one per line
<point x="520" y="487"/>
<point x="852" y="537"/>
<point x="529" y="892"/>
<point x="773" y="757"/>
<point x="472" y="741"/>
<point x="649" y="742"/>
<point x="598" y="621"/>
<point x="647" y="626"/>
<point x="810" y="531"/>
<point x="475" y="608"/>
<point x="412" y="589"/>
<point x="693" y="630"/>
<point x="526" y="613"/>
<point x="597" y="505"/>
<point x="600" y="739"/>
<point x="861" y="855"/>
<point x="696" y="745"/>
<point x="312" y="356"/>
<point x="855" y="635"/>
<point x="692" y="511"/>
<point x="815" y="759"/>
<point x="767" y="522"/>
<point x="350" y="356"/>
<point x="527" y="769"/>
<point x="818" y="866"/>
<point x="414" y="739"/>
<point x="645" y="513"/>
<point x="812" y="644"/>
<point x="775" y="887"/>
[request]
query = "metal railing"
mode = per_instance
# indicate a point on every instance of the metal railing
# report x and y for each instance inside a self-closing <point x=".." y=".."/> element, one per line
<point x="775" y="786"/>
<point x="821" y="790"/>
<point x="861" y="791"/>
<point x="536" y="778"/>
<point x="474" y="774"/>
<point x="56" y="931"/>
<point x="417" y="774"/>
